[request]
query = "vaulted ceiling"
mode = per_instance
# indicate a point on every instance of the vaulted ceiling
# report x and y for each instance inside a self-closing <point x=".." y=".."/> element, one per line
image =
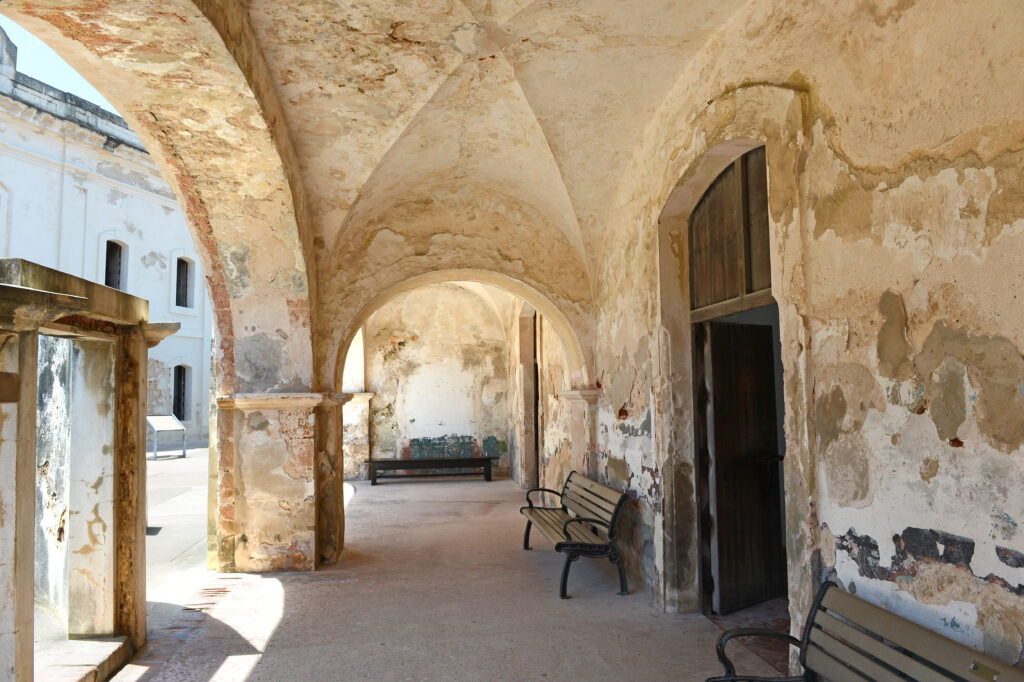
<point x="326" y="152"/>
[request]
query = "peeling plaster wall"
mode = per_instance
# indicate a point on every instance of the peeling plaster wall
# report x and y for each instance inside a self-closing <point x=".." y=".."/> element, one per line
<point x="523" y="396"/>
<point x="516" y="408"/>
<point x="356" y="437"/>
<point x="892" y="217"/>
<point x="91" y="579"/>
<point x="53" y="442"/>
<point x="437" y="363"/>
<point x="274" y="515"/>
<point x="160" y="388"/>
<point x="74" y="507"/>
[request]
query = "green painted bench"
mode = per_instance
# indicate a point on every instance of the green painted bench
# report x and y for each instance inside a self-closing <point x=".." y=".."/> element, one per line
<point x="846" y="639"/>
<point x="583" y="525"/>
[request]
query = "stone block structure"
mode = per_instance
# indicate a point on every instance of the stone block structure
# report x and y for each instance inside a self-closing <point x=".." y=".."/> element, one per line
<point x="73" y="443"/>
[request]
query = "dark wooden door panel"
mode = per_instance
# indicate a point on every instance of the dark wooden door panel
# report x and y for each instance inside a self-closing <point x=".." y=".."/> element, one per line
<point x="757" y="220"/>
<point x="750" y="554"/>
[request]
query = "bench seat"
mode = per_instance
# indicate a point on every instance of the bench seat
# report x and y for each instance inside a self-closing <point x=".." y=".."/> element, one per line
<point x="847" y="639"/>
<point x="550" y="523"/>
<point x="401" y="468"/>
<point x="583" y="525"/>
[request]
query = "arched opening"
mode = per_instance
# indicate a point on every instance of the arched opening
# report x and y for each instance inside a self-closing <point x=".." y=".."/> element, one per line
<point x="726" y="388"/>
<point x="459" y="369"/>
<point x="90" y="202"/>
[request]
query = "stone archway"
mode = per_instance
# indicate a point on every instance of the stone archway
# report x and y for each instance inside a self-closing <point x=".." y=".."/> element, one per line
<point x="212" y="123"/>
<point x="579" y="400"/>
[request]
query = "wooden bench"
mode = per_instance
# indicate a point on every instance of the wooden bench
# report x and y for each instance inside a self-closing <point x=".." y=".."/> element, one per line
<point x="402" y="467"/>
<point x="582" y="525"/>
<point x="846" y="639"/>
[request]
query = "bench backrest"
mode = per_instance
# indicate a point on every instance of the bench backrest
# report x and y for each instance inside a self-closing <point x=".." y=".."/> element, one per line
<point x="589" y="499"/>
<point x="847" y="638"/>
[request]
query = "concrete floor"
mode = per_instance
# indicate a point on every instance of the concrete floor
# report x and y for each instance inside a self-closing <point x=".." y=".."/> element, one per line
<point x="176" y="532"/>
<point x="433" y="585"/>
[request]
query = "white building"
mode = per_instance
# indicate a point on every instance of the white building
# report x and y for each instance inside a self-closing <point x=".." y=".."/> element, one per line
<point x="79" y="193"/>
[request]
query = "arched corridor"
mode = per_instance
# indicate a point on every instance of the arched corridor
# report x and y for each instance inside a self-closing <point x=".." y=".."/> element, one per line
<point x="334" y="159"/>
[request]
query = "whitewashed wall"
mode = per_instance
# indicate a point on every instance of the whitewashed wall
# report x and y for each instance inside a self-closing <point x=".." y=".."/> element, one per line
<point x="63" y="195"/>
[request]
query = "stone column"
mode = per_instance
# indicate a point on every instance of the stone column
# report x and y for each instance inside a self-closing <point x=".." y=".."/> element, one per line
<point x="267" y="487"/>
<point x="131" y="366"/>
<point x="90" y="525"/>
<point x="18" y="354"/>
<point x="330" y="479"/>
<point x="356" y="443"/>
<point x="583" y="427"/>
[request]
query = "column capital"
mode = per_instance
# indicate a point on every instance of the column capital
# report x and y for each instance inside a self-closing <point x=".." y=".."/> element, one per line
<point x="155" y="332"/>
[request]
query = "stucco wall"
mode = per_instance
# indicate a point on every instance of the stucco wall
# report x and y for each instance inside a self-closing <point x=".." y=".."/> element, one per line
<point x="63" y="195"/>
<point x="896" y="243"/>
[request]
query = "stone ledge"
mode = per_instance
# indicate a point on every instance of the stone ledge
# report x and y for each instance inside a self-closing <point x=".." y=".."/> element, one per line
<point x="273" y="401"/>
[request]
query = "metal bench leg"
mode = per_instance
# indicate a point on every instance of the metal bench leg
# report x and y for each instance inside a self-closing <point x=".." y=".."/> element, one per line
<point x="569" y="558"/>
<point x="526" y="535"/>
<point x="373" y="474"/>
<point x="617" y="560"/>
<point x="487" y="470"/>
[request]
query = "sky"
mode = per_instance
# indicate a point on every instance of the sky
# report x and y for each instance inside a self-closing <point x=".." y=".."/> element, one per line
<point x="37" y="60"/>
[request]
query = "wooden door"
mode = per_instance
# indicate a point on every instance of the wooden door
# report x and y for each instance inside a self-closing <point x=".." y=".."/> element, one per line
<point x="747" y="545"/>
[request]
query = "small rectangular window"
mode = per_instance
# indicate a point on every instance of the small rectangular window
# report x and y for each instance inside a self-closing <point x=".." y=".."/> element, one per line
<point x="112" y="270"/>
<point x="183" y="285"/>
<point x="181" y="398"/>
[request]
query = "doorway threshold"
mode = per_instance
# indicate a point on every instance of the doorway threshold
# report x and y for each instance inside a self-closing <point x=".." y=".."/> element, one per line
<point x="773" y="615"/>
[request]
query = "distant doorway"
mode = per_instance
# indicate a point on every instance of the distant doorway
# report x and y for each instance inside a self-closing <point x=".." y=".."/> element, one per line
<point x="737" y="392"/>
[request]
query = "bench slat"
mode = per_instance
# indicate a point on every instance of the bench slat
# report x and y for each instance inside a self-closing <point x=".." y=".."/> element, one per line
<point x="883" y="652"/>
<point x="549" y="522"/>
<point x="860" y="663"/>
<point x="834" y="671"/>
<point x="592" y="499"/>
<point x="943" y="652"/>
<point x="594" y="487"/>
<point x="584" y="507"/>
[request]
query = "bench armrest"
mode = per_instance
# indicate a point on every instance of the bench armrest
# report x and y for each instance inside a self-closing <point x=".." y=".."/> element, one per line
<point x="730" y="669"/>
<point x="581" y="519"/>
<point x="540" y="490"/>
